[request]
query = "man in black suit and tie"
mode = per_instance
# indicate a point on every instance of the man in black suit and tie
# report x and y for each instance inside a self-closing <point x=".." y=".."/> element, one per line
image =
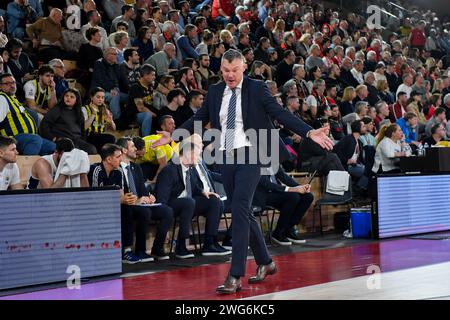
<point x="135" y="183"/>
<point x="180" y="187"/>
<point x="234" y="106"/>
<point x="292" y="199"/>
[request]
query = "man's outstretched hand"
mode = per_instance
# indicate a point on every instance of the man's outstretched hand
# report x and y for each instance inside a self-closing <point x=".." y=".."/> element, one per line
<point x="165" y="139"/>
<point x="320" y="137"/>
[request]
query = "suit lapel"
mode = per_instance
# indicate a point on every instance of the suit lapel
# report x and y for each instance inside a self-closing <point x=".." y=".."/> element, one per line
<point x="244" y="101"/>
<point x="218" y="103"/>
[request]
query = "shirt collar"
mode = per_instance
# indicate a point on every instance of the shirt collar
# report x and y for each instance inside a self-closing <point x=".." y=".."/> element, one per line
<point x="239" y="86"/>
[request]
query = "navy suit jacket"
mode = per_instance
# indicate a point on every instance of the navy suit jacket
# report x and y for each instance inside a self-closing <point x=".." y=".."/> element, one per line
<point x="139" y="180"/>
<point x="170" y="184"/>
<point x="259" y="108"/>
<point x="266" y="186"/>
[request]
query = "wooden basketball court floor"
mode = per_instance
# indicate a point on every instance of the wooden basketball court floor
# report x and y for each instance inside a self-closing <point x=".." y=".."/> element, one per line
<point x="389" y="269"/>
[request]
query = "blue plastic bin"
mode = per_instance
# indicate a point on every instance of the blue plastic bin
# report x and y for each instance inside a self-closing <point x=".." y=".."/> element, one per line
<point x="361" y="222"/>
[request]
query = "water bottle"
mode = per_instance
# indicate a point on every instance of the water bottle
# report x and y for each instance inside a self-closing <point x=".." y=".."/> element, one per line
<point x="420" y="151"/>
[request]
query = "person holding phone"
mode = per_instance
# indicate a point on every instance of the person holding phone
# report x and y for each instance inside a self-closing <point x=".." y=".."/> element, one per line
<point x="279" y="190"/>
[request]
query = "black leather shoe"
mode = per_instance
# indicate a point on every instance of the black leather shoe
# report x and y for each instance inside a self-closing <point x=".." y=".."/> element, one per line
<point x="262" y="271"/>
<point x="231" y="285"/>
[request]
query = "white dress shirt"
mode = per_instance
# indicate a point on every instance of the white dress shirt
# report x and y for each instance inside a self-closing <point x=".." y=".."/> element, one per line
<point x="240" y="139"/>
<point x="125" y="171"/>
<point x="184" y="170"/>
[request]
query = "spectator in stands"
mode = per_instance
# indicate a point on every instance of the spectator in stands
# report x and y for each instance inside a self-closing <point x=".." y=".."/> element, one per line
<point x="434" y="102"/>
<point x="20" y="64"/>
<point x="266" y="31"/>
<point x="356" y="71"/>
<point x="130" y="66"/>
<point x="382" y="110"/>
<point x="95" y="21"/>
<point x="144" y="43"/>
<point x="16" y="121"/>
<point x="203" y="72"/>
<point x="299" y="73"/>
<point x="361" y="109"/>
<point x="3" y="36"/>
<point x="166" y="84"/>
<point x="97" y="119"/>
<point x="392" y="78"/>
<point x="107" y="75"/>
<point x="9" y="171"/>
<point x="362" y="93"/>
<point x="406" y="85"/>
<point x="91" y="51"/>
<point x="346" y="105"/>
<point x="284" y="68"/>
<point x="372" y="92"/>
<point x="175" y="99"/>
<point x="207" y="41"/>
<point x="222" y="10"/>
<point x="317" y="97"/>
<point x="346" y="77"/>
<point x="43" y="171"/>
<point x="368" y="139"/>
<point x="389" y="148"/>
<point x="140" y="100"/>
<point x="154" y="159"/>
<point x="337" y="127"/>
<point x="438" y="133"/>
<point x="47" y="37"/>
<point x="134" y="183"/>
<point x="66" y="120"/>
<point x="120" y="41"/>
<point x="438" y="118"/>
<point x="186" y="44"/>
<point x="186" y="80"/>
<point x="19" y="15"/>
<point x="61" y="84"/>
<point x="314" y="59"/>
<point x="398" y="110"/>
<point x="40" y="94"/>
<point x="127" y="15"/>
<point x="194" y="101"/>
<point x="408" y="124"/>
<point x="180" y="187"/>
<point x="414" y="104"/>
<point x="4" y="57"/>
<point x="162" y="60"/>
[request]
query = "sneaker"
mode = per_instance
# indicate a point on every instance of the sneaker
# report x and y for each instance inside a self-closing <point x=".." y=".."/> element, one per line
<point x="227" y="244"/>
<point x="130" y="258"/>
<point x="281" y="240"/>
<point x="144" y="257"/>
<point x="294" y="236"/>
<point x="215" y="250"/>
<point x="160" y="255"/>
<point x="183" y="253"/>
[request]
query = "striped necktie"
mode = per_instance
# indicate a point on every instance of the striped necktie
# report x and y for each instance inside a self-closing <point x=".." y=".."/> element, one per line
<point x="231" y="122"/>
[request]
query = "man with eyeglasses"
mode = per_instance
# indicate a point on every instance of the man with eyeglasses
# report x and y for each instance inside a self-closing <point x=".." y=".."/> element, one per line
<point x="107" y="75"/>
<point x="16" y="121"/>
<point x="59" y="71"/>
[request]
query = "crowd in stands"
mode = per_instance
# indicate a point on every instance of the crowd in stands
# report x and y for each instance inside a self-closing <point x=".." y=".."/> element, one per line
<point x="74" y="73"/>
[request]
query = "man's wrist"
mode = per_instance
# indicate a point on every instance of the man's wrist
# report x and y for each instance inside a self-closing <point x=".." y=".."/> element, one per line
<point x="308" y="134"/>
<point x="286" y="189"/>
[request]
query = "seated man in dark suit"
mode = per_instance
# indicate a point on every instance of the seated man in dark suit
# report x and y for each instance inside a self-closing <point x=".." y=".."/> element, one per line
<point x="136" y="185"/>
<point x="108" y="173"/>
<point x="180" y="187"/>
<point x="293" y="200"/>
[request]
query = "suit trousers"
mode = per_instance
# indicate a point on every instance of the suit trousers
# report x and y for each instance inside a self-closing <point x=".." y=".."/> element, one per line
<point x="184" y="209"/>
<point x="142" y="216"/>
<point x="164" y="214"/>
<point x="292" y="206"/>
<point x="240" y="181"/>
<point x="211" y="209"/>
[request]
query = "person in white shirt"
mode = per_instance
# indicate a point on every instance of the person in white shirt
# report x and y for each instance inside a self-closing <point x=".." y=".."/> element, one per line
<point x="390" y="147"/>
<point x="406" y="85"/>
<point x="9" y="171"/>
<point x="356" y="71"/>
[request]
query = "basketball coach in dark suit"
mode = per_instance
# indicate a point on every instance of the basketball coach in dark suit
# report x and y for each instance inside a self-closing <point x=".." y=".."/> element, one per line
<point x="234" y="106"/>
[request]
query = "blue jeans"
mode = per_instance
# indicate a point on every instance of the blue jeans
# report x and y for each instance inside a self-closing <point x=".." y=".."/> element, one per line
<point x="114" y="103"/>
<point x="32" y="144"/>
<point x="145" y="122"/>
